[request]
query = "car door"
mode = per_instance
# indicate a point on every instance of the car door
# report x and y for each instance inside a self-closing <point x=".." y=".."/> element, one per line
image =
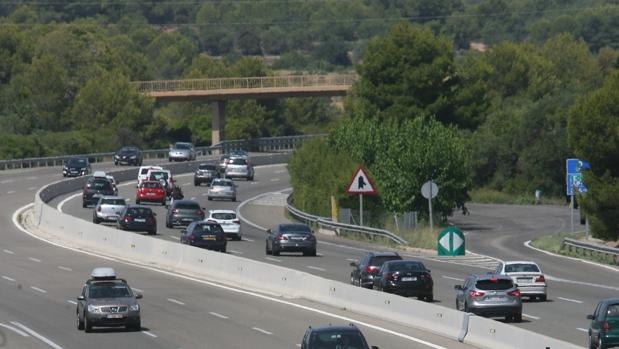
<point x="81" y="303"/>
<point x="598" y="318"/>
<point x="460" y="294"/>
<point x="378" y="279"/>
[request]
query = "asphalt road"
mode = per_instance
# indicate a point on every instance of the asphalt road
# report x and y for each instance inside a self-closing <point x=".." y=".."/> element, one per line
<point x="39" y="283"/>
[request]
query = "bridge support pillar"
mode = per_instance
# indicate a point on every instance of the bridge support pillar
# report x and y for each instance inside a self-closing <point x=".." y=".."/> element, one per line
<point x="219" y="111"/>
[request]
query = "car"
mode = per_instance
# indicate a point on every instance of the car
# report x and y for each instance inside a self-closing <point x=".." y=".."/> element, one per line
<point x="490" y="294"/>
<point x="340" y="337"/>
<point x="108" y="209"/>
<point x="364" y="271"/>
<point x="291" y="237"/>
<point x="182" y="151"/>
<point x="406" y="278"/>
<point x="163" y="176"/>
<point x="604" y="327"/>
<point x="143" y="172"/>
<point x="207" y="235"/>
<point x="221" y="188"/>
<point x="223" y="162"/>
<point x="528" y="276"/>
<point x="75" y="167"/>
<point x="137" y="218"/>
<point x="183" y="212"/>
<point x="229" y="222"/>
<point x="239" y="167"/>
<point x="151" y="191"/>
<point x="94" y="188"/>
<point x="205" y="173"/>
<point x="107" y="301"/>
<point x="128" y="156"/>
<point x="113" y="181"/>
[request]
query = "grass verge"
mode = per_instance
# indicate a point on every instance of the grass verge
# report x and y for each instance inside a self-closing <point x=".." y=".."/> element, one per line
<point x="553" y="243"/>
<point x="489" y="196"/>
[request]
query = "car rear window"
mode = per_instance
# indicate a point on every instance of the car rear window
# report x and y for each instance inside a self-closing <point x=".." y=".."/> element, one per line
<point x="155" y="176"/>
<point x="151" y="185"/>
<point x="139" y="211"/>
<point x="181" y="146"/>
<point x="222" y="184"/>
<point x="224" y="215"/>
<point x="187" y="206"/>
<point x="337" y="339"/>
<point x="207" y="229"/>
<point x="496" y="285"/>
<point x="101" y="185"/>
<point x="113" y="202"/>
<point x="76" y="162"/>
<point x="296" y="228"/>
<point x="207" y="167"/>
<point x="379" y="260"/>
<point x="406" y="266"/>
<point x="238" y="161"/>
<point x="144" y="171"/>
<point x="521" y="268"/>
<point x="612" y="311"/>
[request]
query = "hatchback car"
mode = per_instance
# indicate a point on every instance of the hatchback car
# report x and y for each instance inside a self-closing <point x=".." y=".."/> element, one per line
<point x="137" y="218"/>
<point x="291" y="237"/>
<point x="364" y="271"/>
<point x="94" y="188"/>
<point x="239" y="167"/>
<point x="75" y="167"/>
<point x="107" y="301"/>
<point x="229" y="222"/>
<point x="151" y="191"/>
<point x="128" y="156"/>
<point x="182" y="151"/>
<point x="527" y="275"/>
<point x="344" y="337"/>
<point x="207" y="235"/>
<point x="604" y="327"/>
<point x="491" y="295"/>
<point x="222" y="189"/>
<point x="183" y="212"/>
<point x="143" y="172"/>
<point x="108" y="209"/>
<point x="406" y="278"/>
<point x="205" y="173"/>
<point x="163" y="176"/>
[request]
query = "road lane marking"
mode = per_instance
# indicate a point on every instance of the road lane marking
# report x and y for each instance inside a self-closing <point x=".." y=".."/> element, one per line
<point x="570" y="300"/>
<point x="8" y="278"/>
<point x="8" y="251"/>
<point x="34" y="259"/>
<point x="248" y="240"/>
<point x="19" y="332"/>
<point x="61" y="203"/>
<point x="192" y="198"/>
<point x="32" y="188"/>
<point x="582" y="329"/>
<point x="36" y="335"/>
<point x="11" y="192"/>
<point x="261" y="330"/>
<point x="609" y="267"/>
<point x="531" y="316"/>
<point x="351" y="259"/>
<point x="149" y="334"/>
<point x="72" y="302"/>
<point x="6" y="181"/>
<point x="273" y="259"/>
<point x="175" y="301"/>
<point x="174" y="237"/>
<point x="279" y="171"/>
<point x="137" y="290"/>
<point x="235" y="252"/>
<point x="451" y="278"/>
<point x="38" y="289"/>
<point x="186" y="183"/>
<point x="316" y="268"/>
<point x="320" y="254"/>
<point x="64" y="268"/>
<point x="218" y="315"/>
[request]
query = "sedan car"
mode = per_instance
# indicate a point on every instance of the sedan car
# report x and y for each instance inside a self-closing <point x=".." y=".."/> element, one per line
<point x="229" y="222"/>
<point x="151" y="191"/>
<point x="183" y="212"/>
<point x="222" y="189"/>
<point x="528" y="276"/>
<point x="239" y="167"/>
<point x="490" y="295"/>
<point x="108" y="209"/>
<point x="107" y="301"/>
<point x="406" y="278"/>
<point x="137" y="218"/>
<point x="75" y="167"/>
<point x="345" y="337"/>
<point x="94" y="188"/>
<point x="291" y="237"/>
<point x="128" y="156"/>
<point x="182" y="151"/>
<point x="207" y="235"/>
<point x="604" y="326"/>
<point x="363" y="272"/>
<point x="205" y="174"/>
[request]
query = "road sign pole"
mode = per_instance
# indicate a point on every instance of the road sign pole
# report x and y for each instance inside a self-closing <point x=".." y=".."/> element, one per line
<point x="572" y="212"/>
<point x="430" y="205"/>
<point x="361" y="209"/>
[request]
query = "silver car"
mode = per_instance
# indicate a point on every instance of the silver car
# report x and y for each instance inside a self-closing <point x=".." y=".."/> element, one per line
<point x="490" y="295"/>
<point x="222" y="188"/>
<point x="239" y="167"/>
<point x="528" y="276"/>
<point x="182" y="151"/>
<point x="291" y="237"/>
<point x="108" y="209"/>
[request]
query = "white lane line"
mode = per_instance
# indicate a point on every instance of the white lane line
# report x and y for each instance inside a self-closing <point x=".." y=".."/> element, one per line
<point x="249" y="240"/>
<point x="32" y="188"/>
<point x="582" y="329"/>
<point x="175" y="301"/>
<point x="6" y="181"/>
<point x="192" y="198"/>
<point x="570" y="300"/>
<point x="218" y="315"/>
<point x="254" y="182"/>
<point x="298" y="345"/>
<point x="316" y="268"/>
<point x="274" y="179"/>
<point x="8" y="278"/>
<point x="149" y="334"/>
<point x="261" y="330"/>
<point x="38" y="289"/>
<point x="320" y="254"/>
<point x="273" y="259"/>
<point x="186" y="183"/>
<point x="71" y="302"/>
<point x="36" y="335"/>
<point x="204" y="194"/>
<point x="451" y="278"/>
<point x="61" y="203"/>
<point x="279" y="171"/>
<point x="11" y="192"/>
<point x="137" y="290"/>
<point x="8" y="251"/>
<point x="32" y="178"/>
<point x="351" y="259"/>
<point x="64" y="268"/>
<point x="19" y="332"/>
<point x="235" y="252"/>
<point x="530" y="316"/>
<point x="34" y="259"/>
<point x="174" y="237"/>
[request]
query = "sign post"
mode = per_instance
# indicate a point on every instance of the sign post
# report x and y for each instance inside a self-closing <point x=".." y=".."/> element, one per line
<point x="574" y="182"/>
<point x="361" y="183"/>
<point x="429" y="190"/>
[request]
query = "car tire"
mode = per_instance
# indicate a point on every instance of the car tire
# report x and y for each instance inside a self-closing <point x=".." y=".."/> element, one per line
<point x="95" y="220"/>
<point x="600" y="344"/>
<point x="466" y="308"/>
<point x="152" y="232"/>
<point x="84" y="204"/>
<point x="234" y="199"/>
<point x="210" y="198"/>
<point x="518" y="317"/>
<point x="115" y="163"/>
<point x="543" y="298"/>
<point x="87" y="325"/>
<point x="80" y="323"/>
<point x="274" y="251"/>
<point x="137" y="201"/>
<point x="134" y="327"/>
<point x="457" y="305"/>
<point x="429" y="298"/>
<point x="223" y="249"/>
<point x="266" y="249"/>
<point x="196" y="184"/>
<point x="168" y="225"/>
<point x="163" y="202"/>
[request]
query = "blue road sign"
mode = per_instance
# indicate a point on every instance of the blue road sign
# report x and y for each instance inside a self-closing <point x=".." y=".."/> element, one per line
<point x="573" y="169"/>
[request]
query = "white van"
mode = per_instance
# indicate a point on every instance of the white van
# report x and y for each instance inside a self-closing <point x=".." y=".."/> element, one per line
<point x="143" y="172"/>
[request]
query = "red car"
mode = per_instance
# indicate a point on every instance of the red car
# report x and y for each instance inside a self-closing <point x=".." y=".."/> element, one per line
<point x="151" y="191"/>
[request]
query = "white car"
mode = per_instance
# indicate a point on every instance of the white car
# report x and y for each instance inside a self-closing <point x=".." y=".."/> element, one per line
<point x="113" y="181"/>
<point x="143" y="172"/>
<point x="528" y="276"/>
<point x="229" y="222"/>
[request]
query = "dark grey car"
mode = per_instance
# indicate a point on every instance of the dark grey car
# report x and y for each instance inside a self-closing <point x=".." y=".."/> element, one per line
<point x="183" y="212"/>
<point x="490" y="295"/>
<point x="364" y="271"/>
<point x="205" y="174"/>
<point x="293" y="237"/>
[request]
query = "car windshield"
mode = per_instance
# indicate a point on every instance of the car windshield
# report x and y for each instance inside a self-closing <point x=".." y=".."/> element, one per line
<point x="238" y="161"/>
<point x="186" y="206"/>
<point x="182" y="146"/>
<point x="207" y="167"/>
<point x="108" y="290"/>
<point x="379" y="260"/>
<point x="207" y="229"/>
<point x="127" y="150"/>
<point x="77" y="162"/>
<point x="494" y="284"/>
<point x="406" y="266"/>
<point x="151" y="185"/>
<point x="112" y="202"/>
<point x="521" y="268"/>
<point x="139" y="211"/>
<point x="223" y="215"/>
<point x="337" y="339"/>
<point x="157" y="176"/>
<point x="222" y="183"/>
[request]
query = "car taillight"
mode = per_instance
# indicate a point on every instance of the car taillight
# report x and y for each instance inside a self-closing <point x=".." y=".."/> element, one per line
<point x="476" y="294"/>
<point x="371" y="269"/>
<point x="236" y="221"/>
<point x="176" y="210"/>
<point x="515" y="293"/>
<point x="99" y="209"/>
<point x="426" y="276"/>
<point x="128" y="219"/>
<point x="150" y="219"/>
<point x="540" y="278"/>
<point x="282" y="237"/>
<point x="391" y="276"/>
<point x="199" y="212"/>
<point x="192" y="238"/>
<point x="606" y="326"/>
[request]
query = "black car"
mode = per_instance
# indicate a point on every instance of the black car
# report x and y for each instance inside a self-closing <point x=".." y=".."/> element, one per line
<point x="128" y="156"/>
<point x="369" y="266"/>
<point x="205" y="174"/>
<point x="406" y="278"/>
<point x="137" y="218"/>
<point x="95" y="188"/>
<point x="75" y="167"/>
<point x="344" y="337"/>
<point x="209" y="235"/>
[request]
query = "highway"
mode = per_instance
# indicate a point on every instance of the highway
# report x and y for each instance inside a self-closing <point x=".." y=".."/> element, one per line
<point x="39" y="283"/>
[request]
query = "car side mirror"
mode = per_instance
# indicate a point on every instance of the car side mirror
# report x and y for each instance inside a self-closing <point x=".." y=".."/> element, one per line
<point x="428" y="270"/>
<point x="81" y="298"/>
<point x="138" y="296"/>
<point x="375" y="347"/>
<point x="183" y="231"/>
<point x="590" y="317"/>
<point x="154" y="213"/>
<point x="268" y="231"/>
<point x="458" y="287"/>
<point x="354" y="264"/>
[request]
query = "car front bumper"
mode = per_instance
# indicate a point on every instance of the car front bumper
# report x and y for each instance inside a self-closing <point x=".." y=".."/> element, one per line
<point x="297" y="246"/>
<point x="221" y="194"/>
<point x="496" y="310"/>
<point x="113" y="319"/>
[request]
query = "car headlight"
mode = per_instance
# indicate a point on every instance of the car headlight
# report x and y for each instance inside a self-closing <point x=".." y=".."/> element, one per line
<point x="116" y="156"/>
<point x="93" y="309"/>
<point x="132" y="156"/>
<point x="135" y="307"/>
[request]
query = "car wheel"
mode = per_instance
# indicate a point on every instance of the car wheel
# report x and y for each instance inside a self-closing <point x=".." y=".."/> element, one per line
<point x="266" y="249"/>
<point x="210" y="198"/>
<point x="115" y="163"/>
<point x="152" y="232"/>
<point x="430" y="298"/>
<point x="600" y="343"/>
<point x="274" y="251"/>
<point x="196" y="184"/>
<point x="163" y="202"/>
<point x="590" y="344"/>
<point x="168" y="225"/>
<point x="169" y="159"/>
<point x="517" y="317"/>
<point x="543" y="298"/>
<point x="80" y="323"/>
<point x="457" y="305"/>
<point x="87" y="325"/>
<point x="223" y="249"/>
<point x="95" y="220"/>
<point x="234" y="199"/>
<point x="137" y="201"/>
<point x="84" y="204"/>
<point x="466" y="308"/>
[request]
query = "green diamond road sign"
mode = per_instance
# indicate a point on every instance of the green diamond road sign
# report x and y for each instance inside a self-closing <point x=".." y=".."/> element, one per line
<point x="450" y="242"/>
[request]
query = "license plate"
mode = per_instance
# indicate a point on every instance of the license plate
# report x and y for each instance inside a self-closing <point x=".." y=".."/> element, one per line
<point x="115" y="316"/>
<point x="495" y="298"/>
<point x="208" y="237"/>
<point x="151" y="194"/>
<point x="524" y="280"/>
<point x="141" y="220"/>
<point x="409" y="279"/>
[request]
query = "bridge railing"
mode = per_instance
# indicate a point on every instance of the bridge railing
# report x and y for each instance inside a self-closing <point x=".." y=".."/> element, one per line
<point x="284" y="81"/>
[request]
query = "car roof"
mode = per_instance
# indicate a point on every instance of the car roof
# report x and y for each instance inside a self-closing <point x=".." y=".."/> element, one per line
<point x="293" y="225"/>
<point x="384" y="254"/>
<point x="221" y="180"/>
<point x="610" y="301"/>
<point x="151" y="167"/>
<point x="518" y="262"/>
<point x="222" y="211"/>
<point x="185" y="201"/>
<point x="342" y="328"/>
<point x="489" y="276"/>
<point x="112" y="197"/>
<point x="139" y="206"/>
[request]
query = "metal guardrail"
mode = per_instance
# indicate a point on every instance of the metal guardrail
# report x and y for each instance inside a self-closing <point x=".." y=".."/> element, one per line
<point x="591" y="248"/>
<point x="338" y="227"/>
<point x="266" y="144"/>
<point x="285" y="81"/>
